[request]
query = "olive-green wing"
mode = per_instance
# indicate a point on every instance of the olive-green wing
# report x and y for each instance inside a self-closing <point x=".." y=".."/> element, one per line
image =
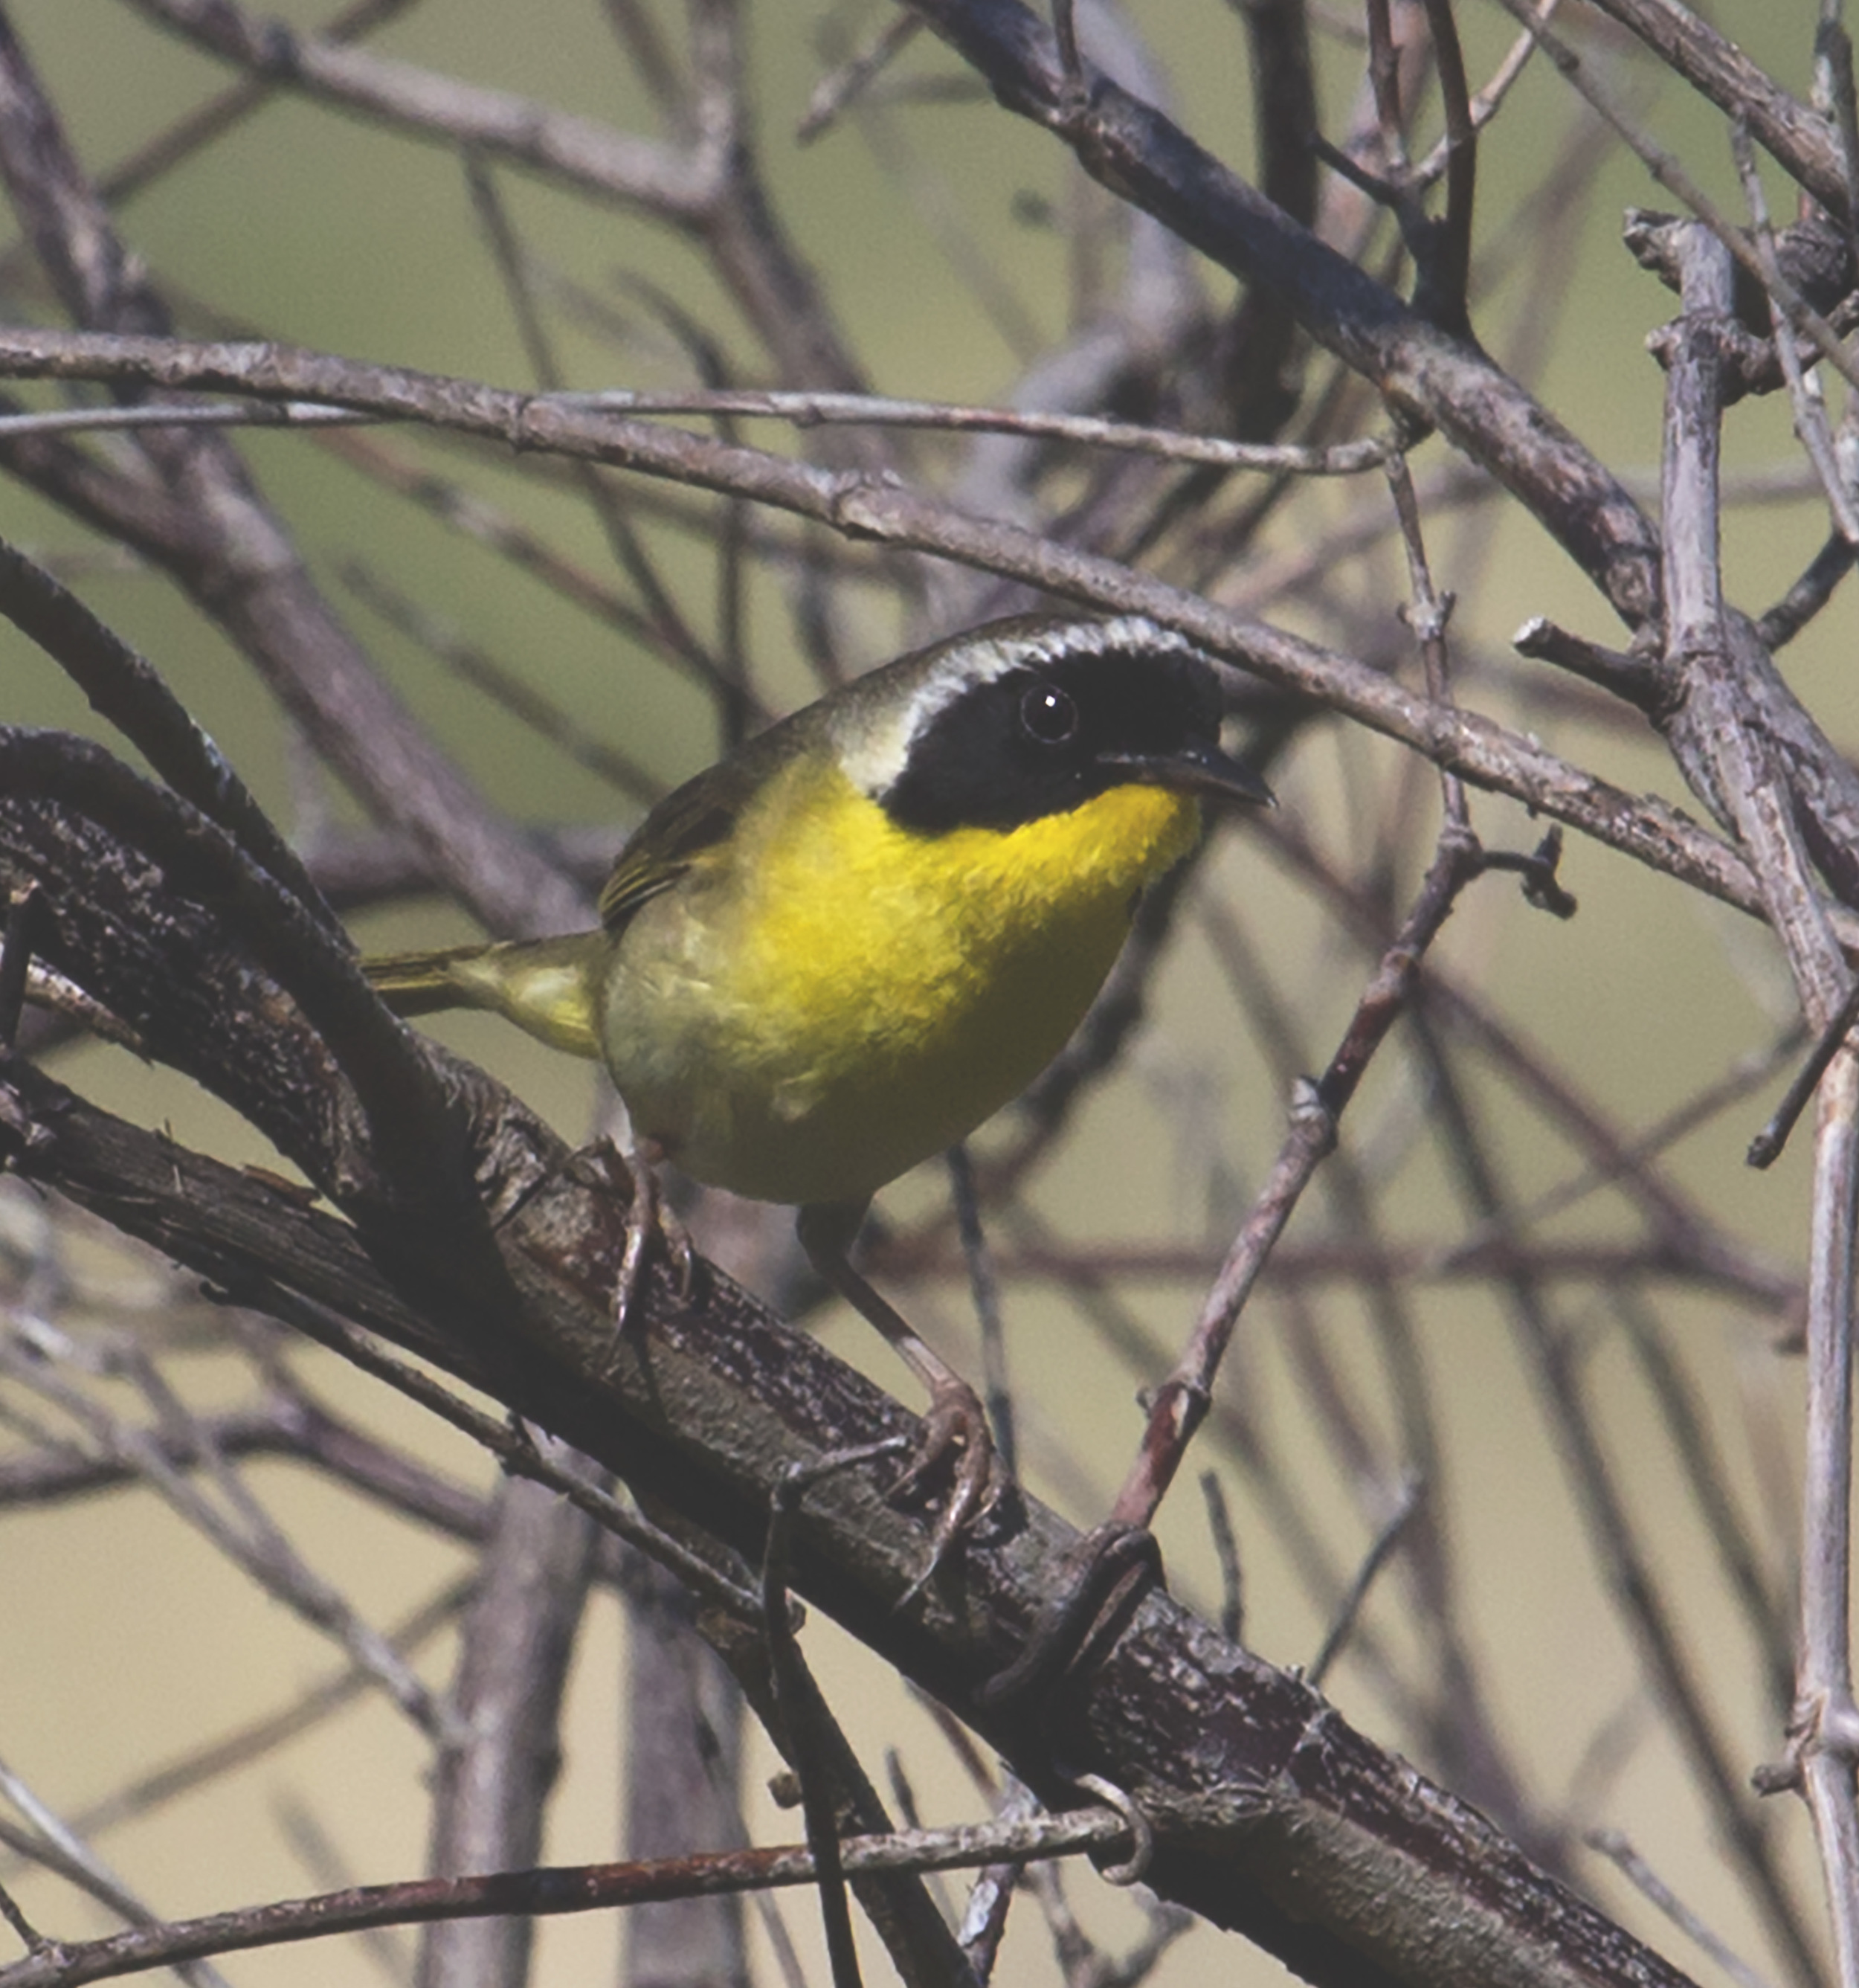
<point x="698" y="816"/>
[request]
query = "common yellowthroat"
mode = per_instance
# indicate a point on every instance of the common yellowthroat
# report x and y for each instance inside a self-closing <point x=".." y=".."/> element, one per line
<point x="839" y="950"/>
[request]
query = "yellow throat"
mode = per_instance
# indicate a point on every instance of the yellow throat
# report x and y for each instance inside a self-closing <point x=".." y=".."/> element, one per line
<point x="835" y="998"/>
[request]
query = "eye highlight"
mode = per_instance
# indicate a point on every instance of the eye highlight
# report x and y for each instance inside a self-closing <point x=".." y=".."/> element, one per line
<point x="1049" y="716"/>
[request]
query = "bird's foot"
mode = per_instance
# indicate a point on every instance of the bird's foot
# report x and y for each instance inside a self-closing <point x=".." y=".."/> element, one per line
<point x="954" y="1434"/>
<point x="1106" y="1574"/>
<point x="955" y="1441"/>
<point x="650" y="1221"/>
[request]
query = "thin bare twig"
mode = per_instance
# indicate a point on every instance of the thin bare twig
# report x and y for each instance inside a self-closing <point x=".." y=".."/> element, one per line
<point x="588" y="1887"/>
<point x="1180" y="1402"/>
<point x="1385" y="1541"/>
<point x="1350" y="458"/>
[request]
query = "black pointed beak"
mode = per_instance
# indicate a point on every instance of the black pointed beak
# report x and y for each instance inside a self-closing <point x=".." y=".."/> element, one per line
<point x="1204" y="770"/>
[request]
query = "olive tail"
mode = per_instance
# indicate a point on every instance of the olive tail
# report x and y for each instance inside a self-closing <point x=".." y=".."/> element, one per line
<point x="549" y="987"/>
<point x="423" y="983"/>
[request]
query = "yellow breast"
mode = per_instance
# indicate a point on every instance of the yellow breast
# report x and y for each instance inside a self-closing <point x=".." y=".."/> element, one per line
<point x="835" y="999"/>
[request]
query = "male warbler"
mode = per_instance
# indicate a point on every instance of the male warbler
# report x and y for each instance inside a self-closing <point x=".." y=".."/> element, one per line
<point x="836" y="952"/>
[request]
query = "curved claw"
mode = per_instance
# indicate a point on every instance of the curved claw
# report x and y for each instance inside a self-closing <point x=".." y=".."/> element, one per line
<point x="648" y="1220"/>
<point x="956" y="1422"/>
<point x="1105" y="1574"/>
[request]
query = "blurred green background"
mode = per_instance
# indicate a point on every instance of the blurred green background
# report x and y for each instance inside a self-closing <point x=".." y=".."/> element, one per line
<point x="127" y="1640"/>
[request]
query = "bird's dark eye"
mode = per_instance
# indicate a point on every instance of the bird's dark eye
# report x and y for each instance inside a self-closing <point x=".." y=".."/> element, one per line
<point x="1049" y="716"/>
